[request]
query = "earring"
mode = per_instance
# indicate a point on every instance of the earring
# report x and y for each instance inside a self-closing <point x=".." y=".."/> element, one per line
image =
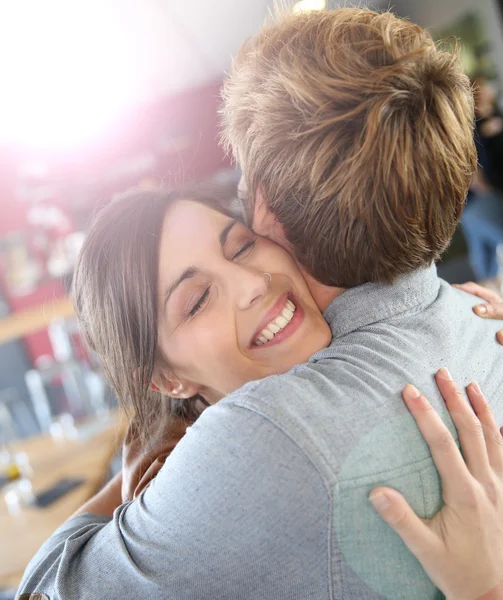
<point x="269" y="275"/>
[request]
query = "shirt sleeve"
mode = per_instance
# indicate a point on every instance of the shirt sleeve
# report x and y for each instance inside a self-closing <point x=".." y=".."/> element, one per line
<point x="237" y="511"/>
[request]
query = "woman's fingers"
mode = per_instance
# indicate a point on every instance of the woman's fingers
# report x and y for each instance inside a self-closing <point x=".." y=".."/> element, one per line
<point x="443" y="448"/>
<point x="492" y="434"/>
<point x="469" y="428"/>
<point x="150" y="474"/>
<point x="482" y="292"/>
<point x="494" y="307"/>
<point x="461" y="546"/>
<point x="395" y="510"/>
<point x="489" y="311"/>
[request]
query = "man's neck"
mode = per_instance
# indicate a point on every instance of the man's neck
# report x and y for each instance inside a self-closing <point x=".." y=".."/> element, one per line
<point x="322" y="294"/>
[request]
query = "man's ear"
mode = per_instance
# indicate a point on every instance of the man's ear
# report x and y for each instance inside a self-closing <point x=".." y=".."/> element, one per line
<point x="171" y="385"/>
<point x="265" y="222"/>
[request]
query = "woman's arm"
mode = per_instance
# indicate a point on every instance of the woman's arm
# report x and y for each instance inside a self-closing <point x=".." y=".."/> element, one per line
<point x="202" y="527"/>
<point x="461" y="547"/>
<point x="140" y="465"/>
<point x="141" y="462"/>
<point x="105" y="501"/>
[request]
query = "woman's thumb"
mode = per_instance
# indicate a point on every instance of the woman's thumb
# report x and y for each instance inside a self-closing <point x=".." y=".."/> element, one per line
<point x="395" y="510"/>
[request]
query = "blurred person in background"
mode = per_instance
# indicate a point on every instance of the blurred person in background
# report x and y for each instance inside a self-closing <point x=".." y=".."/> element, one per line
<point x="489" y="126"/>
<point x="482" y="218"/>
<point x="267" y="494"/>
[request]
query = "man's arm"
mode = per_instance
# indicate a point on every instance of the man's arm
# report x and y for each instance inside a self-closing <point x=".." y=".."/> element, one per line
<point x="236" y="506"/>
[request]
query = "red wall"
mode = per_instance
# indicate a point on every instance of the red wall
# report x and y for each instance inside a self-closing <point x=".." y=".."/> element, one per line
<point x="192" y="115"/>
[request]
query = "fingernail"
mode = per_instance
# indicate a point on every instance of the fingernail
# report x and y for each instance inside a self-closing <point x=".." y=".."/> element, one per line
<point x="481" y="309"/>
<point x="499" y="336"/>
<point x="411" y="392"/>
<point x="379" y="501"/>
<point x="475" y="387"/>
<point x="444" y="374"/>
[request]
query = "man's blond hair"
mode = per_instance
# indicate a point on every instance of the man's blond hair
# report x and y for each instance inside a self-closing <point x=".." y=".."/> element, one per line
<point x="360" y="130"/>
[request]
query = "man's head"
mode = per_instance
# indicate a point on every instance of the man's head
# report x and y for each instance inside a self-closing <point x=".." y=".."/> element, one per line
<point x="354" y="132"/>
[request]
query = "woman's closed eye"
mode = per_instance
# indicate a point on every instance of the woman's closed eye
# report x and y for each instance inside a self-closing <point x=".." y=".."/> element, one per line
<point x="200" y="303"/>
<point x="244" y="249"/>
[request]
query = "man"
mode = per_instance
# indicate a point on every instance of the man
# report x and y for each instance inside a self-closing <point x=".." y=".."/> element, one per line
<point x="354" y="134"/>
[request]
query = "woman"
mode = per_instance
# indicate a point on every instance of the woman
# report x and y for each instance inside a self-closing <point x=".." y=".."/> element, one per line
<point x="161" y="323"/>
<point x="195" y="332"/>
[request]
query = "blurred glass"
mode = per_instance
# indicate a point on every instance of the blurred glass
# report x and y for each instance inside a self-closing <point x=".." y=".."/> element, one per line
<point x="63" y="427"/>
<point x="18" y="494"/>
<point x="16" y="470"/>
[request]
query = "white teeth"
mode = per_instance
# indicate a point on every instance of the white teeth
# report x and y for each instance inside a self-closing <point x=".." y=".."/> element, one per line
<point x="287" y="313"/>
<point x="277" y="325"/>
<point x="266" y="333"/>
<point x="281" y="322"/>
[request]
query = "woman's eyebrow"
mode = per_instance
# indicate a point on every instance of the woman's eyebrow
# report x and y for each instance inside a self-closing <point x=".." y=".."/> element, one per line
<point x="187" y="274"/>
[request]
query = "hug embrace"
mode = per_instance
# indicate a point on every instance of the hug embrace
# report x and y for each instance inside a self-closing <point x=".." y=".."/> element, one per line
<point x="264" y="352"/>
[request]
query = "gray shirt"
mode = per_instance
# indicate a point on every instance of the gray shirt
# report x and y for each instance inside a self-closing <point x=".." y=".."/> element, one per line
<point x="266" y="497"/>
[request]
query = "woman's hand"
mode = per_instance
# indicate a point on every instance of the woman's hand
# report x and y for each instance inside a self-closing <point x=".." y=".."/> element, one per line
<point x="461" y="547"/>
<point x="141" y="464"/>
<point x="492" y="309"/>
<point x="105" y="501"/>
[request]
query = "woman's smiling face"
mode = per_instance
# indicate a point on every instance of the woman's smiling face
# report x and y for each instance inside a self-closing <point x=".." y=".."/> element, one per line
<point x="223" y="321"/>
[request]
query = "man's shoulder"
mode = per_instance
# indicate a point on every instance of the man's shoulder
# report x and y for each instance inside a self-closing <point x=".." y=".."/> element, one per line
<point x="300" y="386"/>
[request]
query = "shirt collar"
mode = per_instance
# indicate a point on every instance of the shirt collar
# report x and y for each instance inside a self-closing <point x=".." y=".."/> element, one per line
<point x="373" y="302"/>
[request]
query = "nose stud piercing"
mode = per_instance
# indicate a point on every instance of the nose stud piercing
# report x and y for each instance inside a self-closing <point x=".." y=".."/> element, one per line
<point x="268" y="275"/>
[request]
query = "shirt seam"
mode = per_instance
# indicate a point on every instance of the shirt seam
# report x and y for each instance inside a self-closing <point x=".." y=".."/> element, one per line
<point x="387" y="472"/>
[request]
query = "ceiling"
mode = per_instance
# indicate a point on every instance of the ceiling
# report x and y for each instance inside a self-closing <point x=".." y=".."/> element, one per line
<point x="182" y="43"/>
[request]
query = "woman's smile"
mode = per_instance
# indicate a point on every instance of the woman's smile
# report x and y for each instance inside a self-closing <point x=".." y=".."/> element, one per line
<point x="280" y="322"/>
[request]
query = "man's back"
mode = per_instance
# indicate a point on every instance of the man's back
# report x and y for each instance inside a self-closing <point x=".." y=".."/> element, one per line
<point x="345" y="410"/>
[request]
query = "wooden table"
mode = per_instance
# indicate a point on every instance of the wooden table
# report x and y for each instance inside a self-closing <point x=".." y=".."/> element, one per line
<point x="21" y="535"/>
<point x="31" y="320"/>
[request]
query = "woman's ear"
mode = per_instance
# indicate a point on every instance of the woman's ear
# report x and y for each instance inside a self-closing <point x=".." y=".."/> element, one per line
<point x="173" y="386"/>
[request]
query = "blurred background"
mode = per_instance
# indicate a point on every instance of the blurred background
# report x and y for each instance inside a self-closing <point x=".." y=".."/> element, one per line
<point x="101" y="95"/>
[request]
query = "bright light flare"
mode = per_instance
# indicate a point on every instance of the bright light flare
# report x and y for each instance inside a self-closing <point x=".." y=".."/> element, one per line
<point x="308" y="5"/>
<point x="67" y="71"/>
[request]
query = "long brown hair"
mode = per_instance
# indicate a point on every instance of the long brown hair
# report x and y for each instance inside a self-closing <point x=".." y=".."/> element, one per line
<point x="115" y="295"/>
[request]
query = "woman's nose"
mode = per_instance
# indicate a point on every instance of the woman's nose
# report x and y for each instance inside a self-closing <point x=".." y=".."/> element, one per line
<point x="251" y="286"/>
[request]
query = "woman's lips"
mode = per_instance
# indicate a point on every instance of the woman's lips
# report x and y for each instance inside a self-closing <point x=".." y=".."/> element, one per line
<point x="281" y="321"/>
